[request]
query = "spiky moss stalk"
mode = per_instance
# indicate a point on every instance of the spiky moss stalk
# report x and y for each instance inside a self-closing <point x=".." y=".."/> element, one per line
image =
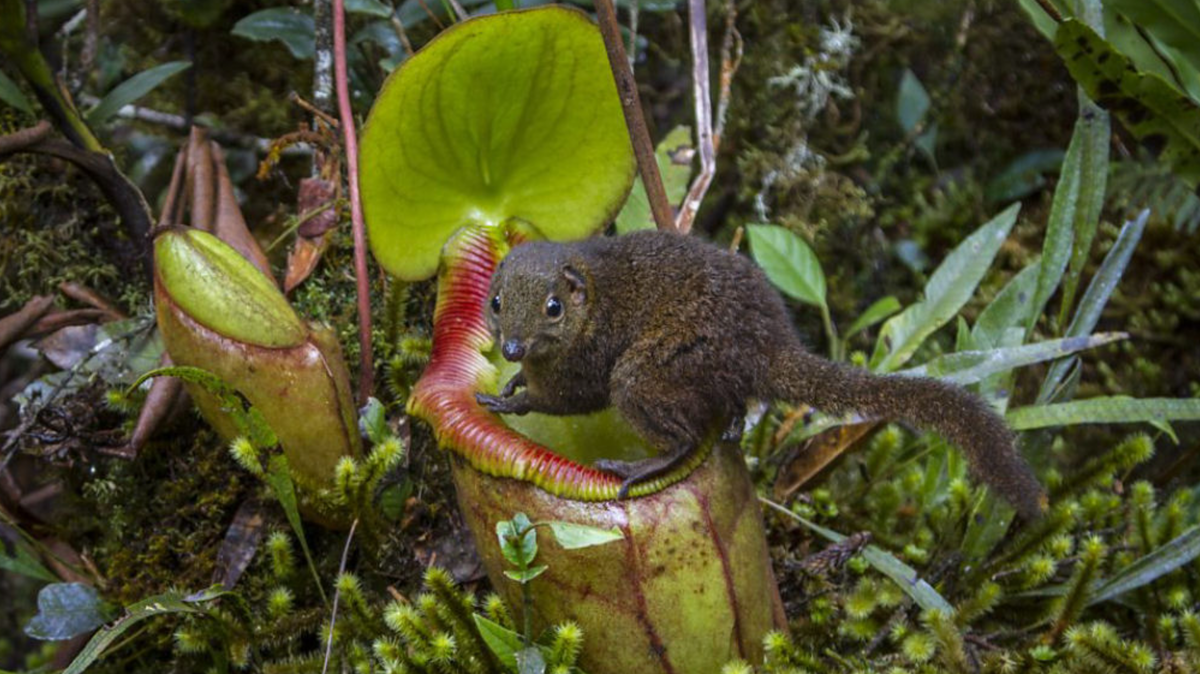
<point x="219" y="313"/>
<point x="445" y="395"/>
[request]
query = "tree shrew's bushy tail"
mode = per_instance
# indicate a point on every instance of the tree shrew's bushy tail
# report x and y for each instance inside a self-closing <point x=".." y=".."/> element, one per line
<point x="959" y="416"/>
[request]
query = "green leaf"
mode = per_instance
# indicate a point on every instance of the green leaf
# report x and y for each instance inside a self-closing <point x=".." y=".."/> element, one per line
<point x="525" y="575"/>
<point x="372" y="421"/>
<point x="788" y="262"/>
<point x="383" y="34"/>
<point x="912" y="102"/>
<point x="1023" y="176"/>
<point x="1009" y="308"/>
<point x="501" y="117"/>
<point x="969" y="367"/>
<point x="11" y="94"/>
<point x="518" y="539"/>
<point x="253" y="425"/>
<point x="279" y="478"/>
<point x="1105" y="410"/>
<point x="20" y="559"/>
<point x="884" y="562"/>
<point x="1156" y="113"/>
<point x="1175" y="22"/>
<point x="209" y="381"/>
<point x="881" y="309"/>
<point x="1096" y="296"/>
<point x="368" y="7"/>
<point x="1093" y="184"/>
<point x="286" y="24"/>
<point x="946" y="292"/>
<point x="1162" y="560"/>
<point x="502" y="641"/>
<point x="674" y="158"/>
<point x="170" y="602"/>
<point x="66" y="610"/>
<point x="1060" y="232"/>
<point x="132" y="89"/>
<point x="575" y="536"/>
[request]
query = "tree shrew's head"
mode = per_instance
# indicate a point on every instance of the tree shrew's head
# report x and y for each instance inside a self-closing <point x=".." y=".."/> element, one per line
<point x="538" y="298"/>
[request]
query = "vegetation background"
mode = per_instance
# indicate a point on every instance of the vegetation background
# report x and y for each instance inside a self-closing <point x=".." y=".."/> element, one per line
<point x="879" y="134"/>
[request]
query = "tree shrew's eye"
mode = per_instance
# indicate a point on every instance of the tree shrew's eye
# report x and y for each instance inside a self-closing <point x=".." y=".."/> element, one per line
<point x="496" y="303"/>
<point x="553" y="307"/>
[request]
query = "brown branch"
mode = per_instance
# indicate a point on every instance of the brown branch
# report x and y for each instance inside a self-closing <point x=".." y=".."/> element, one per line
<point x="631" y="105"/>
<point x="701" y="92"/>
<point x="366" y="371"/>
<point x="1051" y="10"/>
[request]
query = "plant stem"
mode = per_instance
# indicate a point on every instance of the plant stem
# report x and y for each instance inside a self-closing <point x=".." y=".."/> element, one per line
<point x="702" y="95"/>
<point x="835" y="349"/>
<point x="631" y="105"/>
<point x="366" y="370"/>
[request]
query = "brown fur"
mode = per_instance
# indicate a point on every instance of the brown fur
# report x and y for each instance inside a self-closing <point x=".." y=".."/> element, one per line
<point x="679" y="334"/>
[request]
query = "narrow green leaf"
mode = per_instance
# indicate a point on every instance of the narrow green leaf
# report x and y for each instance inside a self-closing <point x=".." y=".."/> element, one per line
<point x="11" y="94"/>
<point x="500" y="640"/>
<point x="788" y="262"/>
<point x="170" y="602"/>
<point x="1096" y="296"/>
<point x="1162" y="560"/>
<point x="279" y="478"/>
<point x="575" y="536"/>
<point x="1093" y="184"/>
<point x="288" y="25"/>
<point x="20" y="559"/>
<point x="1060" y="232"/>
<point x="902" y="574"/>
<point x="132" y="89"/>
<point x="912" y="102"/>
<point x="969" y="367"/>
<point x="66" y="610"/>
<point x="1022" y="176"/>
<point x="1175" y="22"/>
<point x="1105" y="410"/>
<point x="1009" y="308"/>
<point x="1154" y="111"/>
<point x="945" y="294"/>
<point x="879" y="310"/>
<point x="504" y="5"/>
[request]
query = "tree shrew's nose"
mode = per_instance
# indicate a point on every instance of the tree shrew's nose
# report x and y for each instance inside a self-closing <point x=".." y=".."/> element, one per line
<point x="513" y="350"/>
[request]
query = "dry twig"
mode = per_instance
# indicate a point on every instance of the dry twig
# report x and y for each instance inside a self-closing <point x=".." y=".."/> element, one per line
<point x="698" y="34"/>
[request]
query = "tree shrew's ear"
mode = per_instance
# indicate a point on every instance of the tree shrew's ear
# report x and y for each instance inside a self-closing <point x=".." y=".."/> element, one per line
<point x="576" y="282"/>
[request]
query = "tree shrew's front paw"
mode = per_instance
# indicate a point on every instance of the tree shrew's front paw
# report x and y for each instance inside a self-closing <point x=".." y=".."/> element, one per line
<point x="503" y="404"/>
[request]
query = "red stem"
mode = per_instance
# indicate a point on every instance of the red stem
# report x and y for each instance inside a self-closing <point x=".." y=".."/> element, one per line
<point x="366" y="373"/>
